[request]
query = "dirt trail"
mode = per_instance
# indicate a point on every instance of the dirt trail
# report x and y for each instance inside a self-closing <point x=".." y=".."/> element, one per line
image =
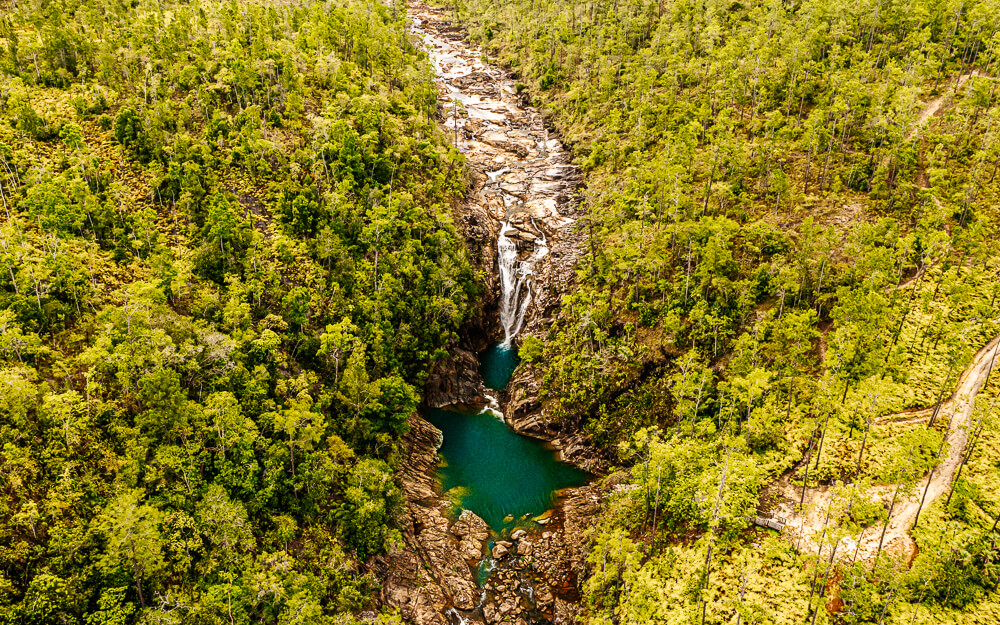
<point x="912" y="415"/>
<point x="934" y="105"/>
<point x="806" y="528"/>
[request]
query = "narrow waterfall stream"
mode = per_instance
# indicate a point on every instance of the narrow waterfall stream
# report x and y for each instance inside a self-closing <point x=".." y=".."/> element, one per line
<point x="515" y="280"/>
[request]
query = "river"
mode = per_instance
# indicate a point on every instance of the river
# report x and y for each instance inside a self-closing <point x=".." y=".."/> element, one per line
<point x="494" y="521"/>
<point x="522" y="180"/>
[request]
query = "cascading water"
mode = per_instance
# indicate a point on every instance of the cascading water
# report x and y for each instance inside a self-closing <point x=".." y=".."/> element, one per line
<point x="455" y="617"/>
<point x="507" y="479"/>
<point x="510" y="283"/>
<point x="492" y="407"/>
<point x="514" y="277"/>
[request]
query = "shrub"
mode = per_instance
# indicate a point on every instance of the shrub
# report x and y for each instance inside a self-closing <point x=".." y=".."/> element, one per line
<point x="130" y="131"/>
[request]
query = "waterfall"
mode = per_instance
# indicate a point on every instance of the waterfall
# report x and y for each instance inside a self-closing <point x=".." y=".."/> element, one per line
<point x="493" y="407"/>
<point x="509" y="282"/>
<point x="514" y="278"/>
<point x="459" y="619"/>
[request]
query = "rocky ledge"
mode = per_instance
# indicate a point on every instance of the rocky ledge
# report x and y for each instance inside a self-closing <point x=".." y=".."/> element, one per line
<point x="455" y="381"/>
<point x="527" y="415"/>
<point x="427" y="575"/>
<point x="432" y="577"/>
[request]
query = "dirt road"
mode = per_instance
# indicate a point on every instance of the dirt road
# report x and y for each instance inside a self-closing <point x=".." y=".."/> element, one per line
<point x="806" y="528"/>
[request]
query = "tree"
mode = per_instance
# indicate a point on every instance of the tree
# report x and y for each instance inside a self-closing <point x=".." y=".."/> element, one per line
<point x="358" y="394"/>
<point x="334" y="343"/>
<point x="226" y="235"/>
<point x="371" y="501"/>
<point x="302" y="426"/>
<point x="46" y="600"/>
<point x="132" y="529"/>
<point x="112" y="608"/>
<point x="224" y="523"/>
<point x="130" y="132"/>
<point x="232" y="428"/>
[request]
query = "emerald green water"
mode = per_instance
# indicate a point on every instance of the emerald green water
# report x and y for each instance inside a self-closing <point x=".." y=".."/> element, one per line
<point x="497" y="473"/>
<point x="496" y="366"/>
<point x="488" y="468"/>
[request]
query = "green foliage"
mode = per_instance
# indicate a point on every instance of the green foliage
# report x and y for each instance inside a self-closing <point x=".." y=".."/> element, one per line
<point x="133" y="536"/>
<point x="224" y="272"/>
<point x="530" y="349"/>
<point x="792" y="227"/>
<point x="112" y="609"/>
<point x="32" y="124"/>
<point x="371" y="501"/>
<point x="130" y="131"/>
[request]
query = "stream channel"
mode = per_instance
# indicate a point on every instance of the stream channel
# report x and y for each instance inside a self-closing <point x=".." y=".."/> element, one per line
<point x="523" y="179"/>
<point x="505" y="478"/>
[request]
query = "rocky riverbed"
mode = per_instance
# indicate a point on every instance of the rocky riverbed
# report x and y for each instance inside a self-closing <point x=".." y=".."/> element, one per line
<point x="520" y="173"/>
<point x="434" y="577"/>
<point x="522" y="176"/>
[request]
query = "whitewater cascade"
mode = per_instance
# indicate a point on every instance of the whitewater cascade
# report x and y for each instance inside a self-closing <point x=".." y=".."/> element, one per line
<point x="515" y="278"/>
<point x="493" y="407"/>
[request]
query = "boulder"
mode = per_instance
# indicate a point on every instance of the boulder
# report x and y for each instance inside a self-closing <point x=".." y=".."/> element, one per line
<point x="465" y="598"/>
<point x="509" y="606"/>
<point x="473" y="532"/>
<point x="543" y="595"/>
<point x="524" y="548"/>
<point x="455" y="381"/>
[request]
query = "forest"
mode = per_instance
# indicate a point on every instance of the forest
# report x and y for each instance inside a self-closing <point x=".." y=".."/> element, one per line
<point x="231" y="253"/>
<point x="791" y="213"/>
<point x="227" y="261"/>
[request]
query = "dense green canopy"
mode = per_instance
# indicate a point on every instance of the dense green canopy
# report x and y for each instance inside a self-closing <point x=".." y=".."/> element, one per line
<point x="792" y="218"/>
<point x="226" y="262"/>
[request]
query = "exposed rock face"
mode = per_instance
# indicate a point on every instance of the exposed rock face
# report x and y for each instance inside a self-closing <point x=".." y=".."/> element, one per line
<point x="430" y="572"/>
<point x="473" y="533"/>
<point x="521" y="174"/>
<point x="526" y="415"/>
<point x="455" y="381"/>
